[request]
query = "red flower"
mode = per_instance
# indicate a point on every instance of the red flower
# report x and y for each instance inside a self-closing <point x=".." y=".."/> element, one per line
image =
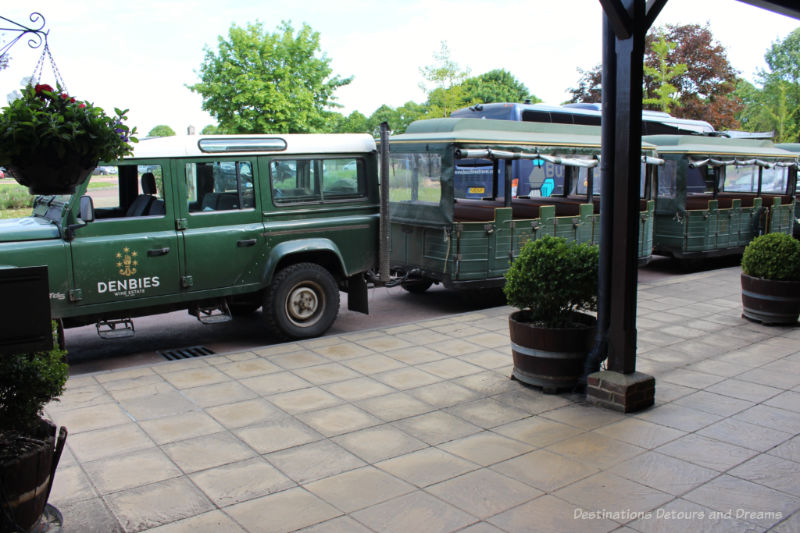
<point x="81" y="105"/>
<point x="64" y="96"/>
<point x="42" y="87"/>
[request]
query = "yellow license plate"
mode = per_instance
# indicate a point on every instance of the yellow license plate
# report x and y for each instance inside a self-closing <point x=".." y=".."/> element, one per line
<point x="476" y="190"/>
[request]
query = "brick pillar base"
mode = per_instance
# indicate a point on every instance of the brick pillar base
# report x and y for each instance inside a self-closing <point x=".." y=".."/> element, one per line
<point x="622" y="392"/>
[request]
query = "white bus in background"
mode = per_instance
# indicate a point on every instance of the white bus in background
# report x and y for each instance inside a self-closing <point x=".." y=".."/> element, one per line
<point x="653" y="122"/>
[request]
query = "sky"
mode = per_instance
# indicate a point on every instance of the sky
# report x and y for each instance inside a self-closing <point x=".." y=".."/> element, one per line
<point x="141" y="55"/>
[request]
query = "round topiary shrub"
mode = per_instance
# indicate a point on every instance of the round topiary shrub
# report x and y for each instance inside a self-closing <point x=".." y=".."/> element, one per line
<point x="774" y="256"/>
<point x="28" y="382"/>
<point x="552" y="279"/>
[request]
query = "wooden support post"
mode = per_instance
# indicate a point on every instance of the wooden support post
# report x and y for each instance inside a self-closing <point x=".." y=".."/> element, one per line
<point x="625" y="24"/>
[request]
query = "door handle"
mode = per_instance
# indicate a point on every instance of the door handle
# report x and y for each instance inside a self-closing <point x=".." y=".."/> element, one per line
<point x="246" y="242"/>
<point x="158" y="251"/>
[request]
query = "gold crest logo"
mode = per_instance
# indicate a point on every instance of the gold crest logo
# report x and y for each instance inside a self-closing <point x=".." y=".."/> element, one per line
<point x="127" y="262"/>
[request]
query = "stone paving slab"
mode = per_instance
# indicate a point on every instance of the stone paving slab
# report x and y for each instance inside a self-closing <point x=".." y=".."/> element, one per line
<point x="418" y="428"/>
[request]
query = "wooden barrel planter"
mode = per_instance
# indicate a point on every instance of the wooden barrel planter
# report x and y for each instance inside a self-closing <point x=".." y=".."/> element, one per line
<point x="769" y="301"/>
<point x="26" y="478"/>
<point x="550" y="358"/>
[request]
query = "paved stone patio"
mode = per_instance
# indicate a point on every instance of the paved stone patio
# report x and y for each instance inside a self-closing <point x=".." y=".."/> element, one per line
<point x="418" y="428"/>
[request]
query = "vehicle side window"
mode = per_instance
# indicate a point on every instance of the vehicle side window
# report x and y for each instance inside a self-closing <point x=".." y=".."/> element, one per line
<point x="472" y="178"/>
<point x="667" y="179"/>
<point x="127" y="191"/>
<point x="219" y="186"/>
<point x="774" y="179"/>
<point x="581" y="178"/>
<point x="316" y="180"/>
<point x="741" y="178"/>
<point x="415" y="178"/>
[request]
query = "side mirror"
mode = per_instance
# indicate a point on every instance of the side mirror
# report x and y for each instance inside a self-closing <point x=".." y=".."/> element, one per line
<point x="85" y="215"/>
<point x="86" y="210"/>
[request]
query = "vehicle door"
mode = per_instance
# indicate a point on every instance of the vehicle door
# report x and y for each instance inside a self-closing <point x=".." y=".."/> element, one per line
<point x="220" y="223"/>
<point x="324" y="198"/>
<point x="130" y="251"/>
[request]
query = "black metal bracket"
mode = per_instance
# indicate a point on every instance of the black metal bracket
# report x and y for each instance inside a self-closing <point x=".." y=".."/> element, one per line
<point x="37" y="35"/>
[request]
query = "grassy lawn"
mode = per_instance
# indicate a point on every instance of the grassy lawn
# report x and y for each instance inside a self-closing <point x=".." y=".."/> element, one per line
<point x="15" y="213"/>
<point x="15" y="201"/>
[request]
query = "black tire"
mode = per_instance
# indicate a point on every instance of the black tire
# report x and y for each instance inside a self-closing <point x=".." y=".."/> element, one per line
<point x="302" y="302"/>
<point x="239" y="309"/>
<point x="417" y="286"/>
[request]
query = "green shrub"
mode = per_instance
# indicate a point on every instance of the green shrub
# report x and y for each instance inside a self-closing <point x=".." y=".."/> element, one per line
<point x="28" y="382"/>
<point x="15" y="197"/>
<point x="551" y="279"/>
<point x="774" y="256"/>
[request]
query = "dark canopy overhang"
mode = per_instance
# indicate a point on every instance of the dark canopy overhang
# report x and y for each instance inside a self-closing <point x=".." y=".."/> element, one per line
<point x="790" y="8"/>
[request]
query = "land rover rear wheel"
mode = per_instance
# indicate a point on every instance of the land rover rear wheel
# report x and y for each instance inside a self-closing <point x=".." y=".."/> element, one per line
<point x="302" y="301"/>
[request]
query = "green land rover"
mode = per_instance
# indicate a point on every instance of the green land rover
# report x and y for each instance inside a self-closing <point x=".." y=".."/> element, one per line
<point x="218" y="225"/>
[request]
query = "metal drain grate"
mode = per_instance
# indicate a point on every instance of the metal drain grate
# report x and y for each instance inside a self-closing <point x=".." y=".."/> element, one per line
<point x="184" y="353"/>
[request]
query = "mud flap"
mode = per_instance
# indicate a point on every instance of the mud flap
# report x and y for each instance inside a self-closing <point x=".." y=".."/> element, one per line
<point x="357" y="295"/>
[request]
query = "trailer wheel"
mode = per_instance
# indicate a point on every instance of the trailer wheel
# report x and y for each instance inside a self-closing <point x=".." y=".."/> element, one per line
<point x="302" y="301"/>
<point x="417" y="286"/>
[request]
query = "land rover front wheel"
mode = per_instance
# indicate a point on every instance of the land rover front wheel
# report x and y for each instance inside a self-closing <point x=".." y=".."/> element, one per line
<point x="302" y="301"/>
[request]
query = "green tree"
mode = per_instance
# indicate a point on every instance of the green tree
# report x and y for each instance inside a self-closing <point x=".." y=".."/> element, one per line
<point x="406" y="114"/>
<point x="259" y="82"/>
<point x="776" y="105"/>
<point x="783" y="60"/>
<point x="162" y="130"/>
<point x="384" y="113"/>
<point x="664" y="95"/>
<point x="398" y="119"/>
<point x="497" y="85"/>
<point x="444" y="89"/>
<point x="211" y="129"/>
<point x="355" y="122"/>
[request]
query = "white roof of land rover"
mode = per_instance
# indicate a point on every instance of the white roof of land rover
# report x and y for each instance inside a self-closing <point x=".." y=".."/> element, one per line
<point x="257" y="144"/>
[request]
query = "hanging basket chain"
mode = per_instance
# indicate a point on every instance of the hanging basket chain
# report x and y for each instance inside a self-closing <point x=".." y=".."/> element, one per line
<point x="38" y="70"/>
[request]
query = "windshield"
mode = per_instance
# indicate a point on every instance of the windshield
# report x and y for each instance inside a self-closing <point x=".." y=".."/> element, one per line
<point x="51" y="206"/>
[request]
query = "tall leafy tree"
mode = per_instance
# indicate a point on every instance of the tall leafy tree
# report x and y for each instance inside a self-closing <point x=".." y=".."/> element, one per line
<point x="260" y="82"/>
<point x="665" y="94"/>
<point x="783" y="60"/>
<point x="406" y="114"/>
<point x="776" y="105"/>
<point x="398" y="119"/>
<point x="497" y="85"/>
<point x="444" y="88"/>
<point x="355" y="122"/>
<point x="705" y="91"/>
<point x="770" y="109"/>
<point x="162" y="130"/>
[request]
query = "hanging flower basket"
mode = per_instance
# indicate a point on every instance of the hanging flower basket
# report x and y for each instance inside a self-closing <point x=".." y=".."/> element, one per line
<point x="51" y="142"/>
